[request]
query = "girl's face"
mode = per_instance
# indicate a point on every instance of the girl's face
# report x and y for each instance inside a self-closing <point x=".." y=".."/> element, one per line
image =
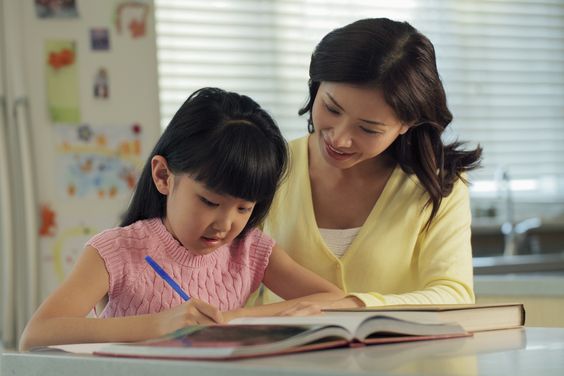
<point x="200" y="219"/>
<point x="353" y="123"/>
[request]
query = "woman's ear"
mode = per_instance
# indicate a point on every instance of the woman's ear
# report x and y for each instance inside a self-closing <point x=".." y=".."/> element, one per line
<point x="162" y="177"/>
<point x="404" y="128"/>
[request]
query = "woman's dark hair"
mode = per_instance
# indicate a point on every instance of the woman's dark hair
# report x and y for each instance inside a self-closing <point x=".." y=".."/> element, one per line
<point x="400" y="61"/>
<point x="223" y="140"/>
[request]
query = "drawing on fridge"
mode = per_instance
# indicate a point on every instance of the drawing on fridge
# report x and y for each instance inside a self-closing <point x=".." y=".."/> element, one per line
<point x="78" y="113"/>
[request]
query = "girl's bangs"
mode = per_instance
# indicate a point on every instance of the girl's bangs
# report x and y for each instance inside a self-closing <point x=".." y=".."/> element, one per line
<point x="241" y="163"/>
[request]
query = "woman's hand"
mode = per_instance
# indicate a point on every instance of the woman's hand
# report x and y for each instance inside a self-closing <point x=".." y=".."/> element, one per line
<point x="298" y="309"/>
<point x="346" y="302"/>
<point x="301" y="308"/>
<point x="192" y="312"/>
<point x="315" y="308"/>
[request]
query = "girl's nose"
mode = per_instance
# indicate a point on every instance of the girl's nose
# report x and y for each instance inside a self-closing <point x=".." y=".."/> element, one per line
<point x="222" y="224"/>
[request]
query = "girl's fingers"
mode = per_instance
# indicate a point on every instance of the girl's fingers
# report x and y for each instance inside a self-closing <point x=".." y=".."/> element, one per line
<point x="207" y="313"/>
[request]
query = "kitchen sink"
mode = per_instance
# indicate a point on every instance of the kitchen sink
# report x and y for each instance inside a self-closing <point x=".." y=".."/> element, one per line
<point x="544" y="262"/>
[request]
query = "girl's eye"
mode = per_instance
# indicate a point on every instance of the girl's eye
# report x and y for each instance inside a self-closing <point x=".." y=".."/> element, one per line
<point x="331" y="109"/>
<point x="208" y="202"/>
<point x="245" y="210"/>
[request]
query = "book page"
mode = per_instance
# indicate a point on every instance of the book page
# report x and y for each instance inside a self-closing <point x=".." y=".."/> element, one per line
<point x="349" y="321"/>
<point x="78" y="348"/>
<point x="232" y="341"/>
<point x="419" y="317"/>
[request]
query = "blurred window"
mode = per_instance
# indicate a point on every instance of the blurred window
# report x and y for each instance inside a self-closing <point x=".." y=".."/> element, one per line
<point x="502" y="63"/>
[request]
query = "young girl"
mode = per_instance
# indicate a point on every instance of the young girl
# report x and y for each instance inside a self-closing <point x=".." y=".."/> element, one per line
<point x="207" y="184"/>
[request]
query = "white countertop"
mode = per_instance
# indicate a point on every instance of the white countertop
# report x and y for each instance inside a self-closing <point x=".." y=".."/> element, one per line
<point x="533" y="284"/>
<point x="527" y="351"/>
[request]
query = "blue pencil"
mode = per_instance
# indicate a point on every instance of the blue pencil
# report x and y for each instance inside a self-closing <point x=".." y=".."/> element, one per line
<point x="167" y="278"/>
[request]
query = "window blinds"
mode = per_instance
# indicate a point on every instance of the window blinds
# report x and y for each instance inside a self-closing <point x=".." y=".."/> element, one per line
<point x="502" y="63"/>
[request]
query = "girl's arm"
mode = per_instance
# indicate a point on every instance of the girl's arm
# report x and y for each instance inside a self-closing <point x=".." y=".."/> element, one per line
<point x="291" y="281"/>
<point x="61" y="318"/>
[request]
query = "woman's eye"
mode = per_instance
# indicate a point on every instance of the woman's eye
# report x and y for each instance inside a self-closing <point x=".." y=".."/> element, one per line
<point x="331" y="109"/>
<point x="369" y="131"/>
<point x="208" y="202"/>
<point x="245" y="210"/>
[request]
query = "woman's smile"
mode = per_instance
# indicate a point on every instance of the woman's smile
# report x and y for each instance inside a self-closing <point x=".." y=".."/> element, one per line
<point x="335" y="153"/>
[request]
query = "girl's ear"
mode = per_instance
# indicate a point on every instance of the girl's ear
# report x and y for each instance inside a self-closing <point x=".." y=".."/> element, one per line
<point x="162" y="177"/>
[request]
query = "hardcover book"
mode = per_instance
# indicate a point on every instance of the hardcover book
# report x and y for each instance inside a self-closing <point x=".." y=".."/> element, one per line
<point x="252" y="337"/>
<point x="472" y="317"/>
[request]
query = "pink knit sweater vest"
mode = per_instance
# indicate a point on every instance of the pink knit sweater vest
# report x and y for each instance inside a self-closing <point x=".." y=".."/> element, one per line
<point x="224" y="278"/>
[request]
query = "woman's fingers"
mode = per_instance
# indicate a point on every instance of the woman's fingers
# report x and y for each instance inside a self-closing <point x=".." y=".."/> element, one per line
<point x="302" y="309"/>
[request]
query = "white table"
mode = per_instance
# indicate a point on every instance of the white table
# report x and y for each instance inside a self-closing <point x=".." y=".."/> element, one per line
<point x="530" y="351"/>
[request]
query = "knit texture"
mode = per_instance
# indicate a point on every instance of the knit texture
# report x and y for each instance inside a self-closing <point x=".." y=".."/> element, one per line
<point x="224" y="278"/>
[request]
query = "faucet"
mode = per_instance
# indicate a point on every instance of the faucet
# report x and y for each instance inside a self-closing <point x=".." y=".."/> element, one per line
<point x="514" y="233"/>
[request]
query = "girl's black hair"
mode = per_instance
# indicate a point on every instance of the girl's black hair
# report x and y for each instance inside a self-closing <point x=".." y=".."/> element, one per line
<point x="223" y="140"/>
<point x="400" y="61"/>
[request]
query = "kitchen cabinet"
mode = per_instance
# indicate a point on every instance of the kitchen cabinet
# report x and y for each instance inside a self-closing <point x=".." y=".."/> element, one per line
<point x="542" y="294"/>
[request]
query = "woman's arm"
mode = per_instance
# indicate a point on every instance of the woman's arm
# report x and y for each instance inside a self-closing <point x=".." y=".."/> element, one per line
<point x="442" y="263"/>
<point x="61" y="318"/>
<point x="291" y="281"/>
<point x="443" y="257"/>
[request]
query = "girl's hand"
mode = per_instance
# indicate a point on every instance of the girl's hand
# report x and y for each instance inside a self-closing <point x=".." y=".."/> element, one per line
<point x="230" y="315"/>
<point x="192" y="312"/>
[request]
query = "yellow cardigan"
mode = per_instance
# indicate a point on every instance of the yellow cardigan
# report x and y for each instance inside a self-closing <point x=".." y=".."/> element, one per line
<point x="392" y="260"/>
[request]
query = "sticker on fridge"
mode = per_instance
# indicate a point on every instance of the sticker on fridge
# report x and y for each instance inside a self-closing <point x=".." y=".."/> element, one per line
<point x="100" y="39"/>
<point x="56" y="9"/>
<point x="132" y="15"/>
<point x="97" y="161"/>
<point x="101" y="85"/>
<point x="62" y="81"/>
<point x="59" y="252"/>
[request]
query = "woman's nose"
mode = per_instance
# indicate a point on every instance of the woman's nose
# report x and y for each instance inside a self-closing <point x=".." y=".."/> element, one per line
<point x="341" y="137"/>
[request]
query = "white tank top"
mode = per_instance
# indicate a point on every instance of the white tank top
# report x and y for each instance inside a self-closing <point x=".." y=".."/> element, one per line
<point x="337" y="240"/>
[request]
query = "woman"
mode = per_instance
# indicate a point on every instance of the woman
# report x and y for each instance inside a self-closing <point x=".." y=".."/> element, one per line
<point x="375" y="202"/>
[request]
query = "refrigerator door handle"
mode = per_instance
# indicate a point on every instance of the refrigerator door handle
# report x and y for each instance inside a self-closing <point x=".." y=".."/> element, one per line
<point x="27" y="297"/>
<point x="24" y="251"/>
<point x="7" y="242"/>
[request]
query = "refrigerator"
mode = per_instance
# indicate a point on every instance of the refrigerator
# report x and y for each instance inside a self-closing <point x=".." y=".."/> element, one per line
<point x="79" y="113"/>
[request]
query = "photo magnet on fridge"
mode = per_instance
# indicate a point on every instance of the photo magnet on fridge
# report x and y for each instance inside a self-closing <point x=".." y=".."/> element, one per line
<point x="99" y="39"/>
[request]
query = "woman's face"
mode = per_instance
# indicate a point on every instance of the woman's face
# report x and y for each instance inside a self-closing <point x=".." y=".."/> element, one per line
<point x="353" y="123"/>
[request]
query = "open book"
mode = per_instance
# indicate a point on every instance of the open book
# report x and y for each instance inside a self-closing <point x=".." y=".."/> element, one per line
<point x="261" y="336"/>
<point x="252" y="337"/>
